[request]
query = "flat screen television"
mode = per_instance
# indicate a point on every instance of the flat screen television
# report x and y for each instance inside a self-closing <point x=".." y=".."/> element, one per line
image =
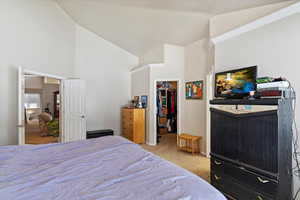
<point x="235" y="83"/>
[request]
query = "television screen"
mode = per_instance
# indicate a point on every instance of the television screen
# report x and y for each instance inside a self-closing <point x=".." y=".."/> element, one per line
<point x="235" y="82"/>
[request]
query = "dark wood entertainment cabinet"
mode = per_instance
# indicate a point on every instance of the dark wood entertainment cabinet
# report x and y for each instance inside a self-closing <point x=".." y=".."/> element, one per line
<point x="251" y="148"/>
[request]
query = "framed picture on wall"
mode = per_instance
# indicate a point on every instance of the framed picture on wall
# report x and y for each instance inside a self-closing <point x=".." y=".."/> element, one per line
<point x="144" y="100"/>
<point x="136" y="99"/>
<point x="194" y="90"/>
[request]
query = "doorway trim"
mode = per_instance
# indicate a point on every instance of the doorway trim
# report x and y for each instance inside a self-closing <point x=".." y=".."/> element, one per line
<point x="209" y="96"/>
<point x="25" y="71"/>
<point x="21" y="93"/>
<point x="179" y="102"/>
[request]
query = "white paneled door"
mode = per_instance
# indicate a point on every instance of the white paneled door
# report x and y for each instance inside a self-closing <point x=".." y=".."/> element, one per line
<point x="74" y="110"/>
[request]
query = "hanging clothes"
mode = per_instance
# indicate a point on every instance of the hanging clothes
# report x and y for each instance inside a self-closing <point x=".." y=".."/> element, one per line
<point x="159" y="103"/>
<point x="166" y="108"/>
<point x="172" y="111"/>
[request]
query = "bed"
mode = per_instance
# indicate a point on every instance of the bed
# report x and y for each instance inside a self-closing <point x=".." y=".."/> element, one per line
<point x="107" y="168"/>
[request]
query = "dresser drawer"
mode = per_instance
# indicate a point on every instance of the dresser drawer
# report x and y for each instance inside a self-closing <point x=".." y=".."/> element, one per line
<point x="127" y="124"/>
<point x="248" y="178"/>
<point x="128" y="130"/>
<point x="217" y="165"/>
<point x="127" y="134"/>
<point x="260" y="183"/>
<point x="133" y="124"/>
<point x="127" y="117"/>
<point x="235" y="190"/>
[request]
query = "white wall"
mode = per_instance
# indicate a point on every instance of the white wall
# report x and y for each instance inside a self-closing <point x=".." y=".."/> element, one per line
<point x="172" y="69"/>
<point x="140" y="81"/>
<point x="39" y="36"/>
<point x="197" y="66"/>
<point x="106" y="69"/>
<point x="274" y="48"/>
<point x="225" y="22"/>
<point x="182" y="64"/>
<point x="153" y="56"/>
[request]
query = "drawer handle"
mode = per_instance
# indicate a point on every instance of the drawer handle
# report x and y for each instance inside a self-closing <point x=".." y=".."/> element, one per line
<point x="259" y="198"/>
<point x="262" y="180"/>
<point x="218" y="163"/>
<point x="217" y="177"/>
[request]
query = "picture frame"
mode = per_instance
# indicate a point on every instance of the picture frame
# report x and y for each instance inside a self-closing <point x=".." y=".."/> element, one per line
<point x="194" y="90"/>
<point x="136" y="99"/>
<point x="144" y="100"/>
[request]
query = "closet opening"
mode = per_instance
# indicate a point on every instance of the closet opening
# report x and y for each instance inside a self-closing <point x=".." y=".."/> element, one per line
<point x="167" y="113"/>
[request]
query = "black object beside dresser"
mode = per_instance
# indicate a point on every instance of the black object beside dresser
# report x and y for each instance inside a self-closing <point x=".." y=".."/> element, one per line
<point x="251" y="148"/>
<point x="99" y="133"/>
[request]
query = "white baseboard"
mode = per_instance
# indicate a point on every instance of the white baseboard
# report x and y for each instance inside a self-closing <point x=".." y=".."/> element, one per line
<point x="202" y="153"/>
<point x="150" y="144"/>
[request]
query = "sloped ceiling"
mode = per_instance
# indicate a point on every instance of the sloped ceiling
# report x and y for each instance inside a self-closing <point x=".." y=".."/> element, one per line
<point x="140" y="25"/>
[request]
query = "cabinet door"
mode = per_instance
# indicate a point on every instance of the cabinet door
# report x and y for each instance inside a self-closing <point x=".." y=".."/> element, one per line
<point x="224" y="134"/>
<point x="259" y="141"/>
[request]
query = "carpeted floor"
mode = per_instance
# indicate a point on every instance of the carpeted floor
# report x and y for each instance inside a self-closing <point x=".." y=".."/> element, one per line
<point x="167" y="149"/>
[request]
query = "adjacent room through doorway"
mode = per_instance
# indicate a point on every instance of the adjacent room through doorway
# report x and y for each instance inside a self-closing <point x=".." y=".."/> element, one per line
<point x="42" y="107"/>
<point x="166" y="117"/>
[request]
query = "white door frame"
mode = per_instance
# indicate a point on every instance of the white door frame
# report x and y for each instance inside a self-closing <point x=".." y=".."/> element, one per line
<point x="179" y="111"/>
<point x="209" y="96"/>
<point x="21" y="96"/>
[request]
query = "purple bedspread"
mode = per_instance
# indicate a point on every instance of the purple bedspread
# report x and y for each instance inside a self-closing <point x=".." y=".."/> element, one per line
<point x="107" y="168"/>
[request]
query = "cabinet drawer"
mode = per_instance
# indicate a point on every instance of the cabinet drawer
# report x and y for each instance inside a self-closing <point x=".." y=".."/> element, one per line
<point x="217" y="165"/>
<point x="128" y="137"/>
<point x="127" y="110"/>
<point x="127" y="124"/>
<point x="235" y="190"/>
<point x="128" y="130"/>
<point x="127" y="117"/>
<point x="127" y="134"/>
<point x="260" y="183"/>
<point x="250" y="179"/>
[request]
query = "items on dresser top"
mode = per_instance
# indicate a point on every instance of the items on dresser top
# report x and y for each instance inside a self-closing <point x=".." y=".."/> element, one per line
<point x="133" y="124"/>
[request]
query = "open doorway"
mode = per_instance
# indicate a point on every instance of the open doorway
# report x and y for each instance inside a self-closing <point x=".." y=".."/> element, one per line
<point x="67" y="120"/>
<point x="167" y="113"/>
<point x="41" y="109"/>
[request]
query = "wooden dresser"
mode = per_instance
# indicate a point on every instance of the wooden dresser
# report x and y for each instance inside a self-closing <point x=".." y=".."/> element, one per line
<point x="251" y="148"/>
<point x="133" y="124"/>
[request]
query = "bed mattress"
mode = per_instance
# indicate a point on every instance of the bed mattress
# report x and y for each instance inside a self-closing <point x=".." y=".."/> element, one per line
<point x="107" y="168"/>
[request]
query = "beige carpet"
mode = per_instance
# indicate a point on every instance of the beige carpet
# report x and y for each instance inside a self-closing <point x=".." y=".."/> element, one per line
<point x="167" y="149"/>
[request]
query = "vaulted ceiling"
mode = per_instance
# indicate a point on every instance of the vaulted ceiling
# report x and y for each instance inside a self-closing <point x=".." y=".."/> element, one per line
<point x="140" y="25"/>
